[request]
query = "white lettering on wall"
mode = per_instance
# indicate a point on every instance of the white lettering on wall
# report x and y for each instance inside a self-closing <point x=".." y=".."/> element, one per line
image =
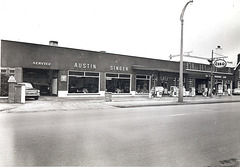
<point x="118" y="68"/>
<point x="85" y="65"/>
<point x="41" y="63"/>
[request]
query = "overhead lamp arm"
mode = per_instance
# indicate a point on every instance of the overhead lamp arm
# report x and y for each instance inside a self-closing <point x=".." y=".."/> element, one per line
<point x="184" y="8"/>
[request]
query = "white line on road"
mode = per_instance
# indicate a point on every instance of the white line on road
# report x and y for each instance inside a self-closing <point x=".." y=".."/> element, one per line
<point x="176" y="115"/>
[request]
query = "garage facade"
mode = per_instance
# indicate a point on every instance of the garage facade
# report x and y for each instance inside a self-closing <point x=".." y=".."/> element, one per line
<point x="70" y="72"/>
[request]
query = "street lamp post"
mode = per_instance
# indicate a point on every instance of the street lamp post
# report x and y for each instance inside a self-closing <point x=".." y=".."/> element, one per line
<point x="180" y="95"/>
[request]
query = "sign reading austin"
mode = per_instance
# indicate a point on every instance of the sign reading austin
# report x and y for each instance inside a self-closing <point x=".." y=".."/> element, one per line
<point x="220" y="63"/>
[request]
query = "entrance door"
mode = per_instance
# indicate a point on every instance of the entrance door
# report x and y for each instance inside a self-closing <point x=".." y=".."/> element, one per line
<point x="201" y="84"/>
<point x="54" y="86"/>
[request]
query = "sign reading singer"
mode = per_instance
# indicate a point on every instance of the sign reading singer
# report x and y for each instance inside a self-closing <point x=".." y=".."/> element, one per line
<point x="220" y="63"/>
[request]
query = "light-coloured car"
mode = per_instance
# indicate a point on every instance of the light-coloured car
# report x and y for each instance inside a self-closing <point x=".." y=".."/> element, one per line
<point x="30" y="91"/>
<point x="236" y="91"/>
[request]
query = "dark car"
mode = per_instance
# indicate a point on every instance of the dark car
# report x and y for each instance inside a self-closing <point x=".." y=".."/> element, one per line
<point x="44" y="88"/>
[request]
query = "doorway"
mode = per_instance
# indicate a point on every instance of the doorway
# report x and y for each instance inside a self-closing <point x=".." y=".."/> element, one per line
<point x="44" y="80"/>
<point x="201" y="84"/>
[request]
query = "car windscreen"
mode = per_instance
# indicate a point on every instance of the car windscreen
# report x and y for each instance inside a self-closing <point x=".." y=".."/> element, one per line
<point x="28" y="86"/>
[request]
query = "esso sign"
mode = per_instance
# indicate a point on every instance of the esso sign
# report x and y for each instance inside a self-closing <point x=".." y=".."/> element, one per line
<point x="220" y="63"/>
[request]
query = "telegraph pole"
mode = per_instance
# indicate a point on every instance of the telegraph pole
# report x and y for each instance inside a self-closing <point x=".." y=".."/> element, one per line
<point x="211" y="82"/>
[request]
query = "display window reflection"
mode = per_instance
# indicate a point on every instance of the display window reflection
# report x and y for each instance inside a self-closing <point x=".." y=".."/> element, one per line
<point x="83" y="82"/>
<point x="118" y="83"/>
<point x="142" y="84"/>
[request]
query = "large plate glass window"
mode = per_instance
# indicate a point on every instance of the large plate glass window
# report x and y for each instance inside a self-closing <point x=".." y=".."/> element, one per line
<point x="118" y="83"/>
<point x="83" y="82"/>
<point x="142" y="83"/>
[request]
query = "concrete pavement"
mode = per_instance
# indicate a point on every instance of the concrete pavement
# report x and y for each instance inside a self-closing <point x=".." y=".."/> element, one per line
<point x="50" y="103"/>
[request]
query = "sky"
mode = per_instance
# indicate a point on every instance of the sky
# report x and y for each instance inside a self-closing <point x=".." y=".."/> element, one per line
<point x="143" y="28"/>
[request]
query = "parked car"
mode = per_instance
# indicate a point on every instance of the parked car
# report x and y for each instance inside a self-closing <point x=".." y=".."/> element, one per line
<point x="236" y="91"/>
<point x="30" y="91"/>
<point x="44" y="88"/>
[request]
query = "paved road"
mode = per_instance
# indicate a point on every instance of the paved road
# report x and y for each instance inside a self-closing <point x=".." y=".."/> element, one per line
<point x="186" y="135"/>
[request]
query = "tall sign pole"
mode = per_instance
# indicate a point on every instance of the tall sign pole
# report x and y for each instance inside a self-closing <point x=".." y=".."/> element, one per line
<point x="180" y="95"/>
<point x="212" y="61"/>
<point x="211" y="82"/>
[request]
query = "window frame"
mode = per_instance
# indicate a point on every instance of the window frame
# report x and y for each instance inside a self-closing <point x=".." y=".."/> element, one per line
<point x="143" y="77"/>
<point x="119" y="76"/>
<point x="83" y="76"/>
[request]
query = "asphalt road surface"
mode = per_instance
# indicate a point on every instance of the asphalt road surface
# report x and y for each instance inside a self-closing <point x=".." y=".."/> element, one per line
<point x="184" y="135"/>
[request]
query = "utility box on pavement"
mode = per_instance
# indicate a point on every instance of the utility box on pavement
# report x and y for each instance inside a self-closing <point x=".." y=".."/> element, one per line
<point x="11" y="89"/>
<point x="16" y="93"/>
<point x="19" y="95"/>
<point x="108" y="96"/>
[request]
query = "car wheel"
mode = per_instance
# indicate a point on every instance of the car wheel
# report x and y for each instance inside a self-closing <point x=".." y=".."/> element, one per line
<point x="36" y="98"/>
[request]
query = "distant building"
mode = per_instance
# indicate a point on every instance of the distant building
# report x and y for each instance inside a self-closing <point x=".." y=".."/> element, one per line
<point x="75" y="72"/>
<point x="236" y="83"/>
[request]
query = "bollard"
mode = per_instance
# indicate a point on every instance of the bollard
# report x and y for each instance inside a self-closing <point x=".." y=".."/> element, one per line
<point x="19" y="95"/>
<point x="108" y="96"/>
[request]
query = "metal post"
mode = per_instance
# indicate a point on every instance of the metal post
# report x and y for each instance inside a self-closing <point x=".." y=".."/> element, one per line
<point x="154" y="84"/>
<point x="211" y="82"/>
<point x="180" y="94"/>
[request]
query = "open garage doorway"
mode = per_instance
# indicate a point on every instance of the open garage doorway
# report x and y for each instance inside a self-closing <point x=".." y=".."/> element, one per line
<point x="44" y="80"/>
<point x="201" y="85"/>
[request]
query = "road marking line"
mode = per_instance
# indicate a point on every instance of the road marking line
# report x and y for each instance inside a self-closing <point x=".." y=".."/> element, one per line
<point x="177" y="115"/>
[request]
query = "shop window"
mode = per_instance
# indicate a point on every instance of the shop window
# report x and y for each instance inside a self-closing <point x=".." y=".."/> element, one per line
<point x="83" y="82"/>
<point x="203" y="67"/>
<point x="190" y="82"/>
<point x="93" y="74"/>
<point x="142" y="76"/>
<point x="142" y="83"/>
<point x="112" y="75"/>
<point x="176" y="81"/>
<point x="164" y="78"/>
<point x="219" y="81"/>
<point x="124" y="75"/>
<point x="77" y="73"/>
<point x="192" y="66"/>
<point x="118" y="83"/>
<point x="239" y="84"/>
<point x="3" y="71"/>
